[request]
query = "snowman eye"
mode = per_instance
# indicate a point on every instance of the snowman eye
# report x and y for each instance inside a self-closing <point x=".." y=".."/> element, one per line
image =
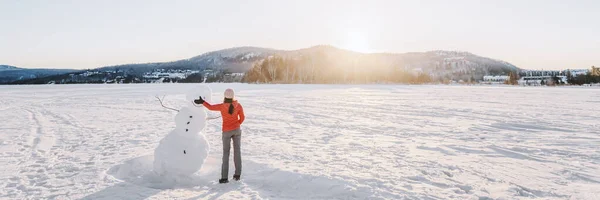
<point x="190" y="116"/>
<point x="183" y="151"/>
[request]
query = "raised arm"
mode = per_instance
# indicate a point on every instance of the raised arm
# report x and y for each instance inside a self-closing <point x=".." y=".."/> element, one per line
<point x="242" y="117"/>
<point x="215" y="107"/>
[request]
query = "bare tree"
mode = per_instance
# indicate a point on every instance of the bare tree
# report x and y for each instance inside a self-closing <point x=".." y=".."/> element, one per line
<point x="294" y="70"/>
<point x="302" y="70"/>
<point x="272" y="68"/>
<point x="287" y="66"/>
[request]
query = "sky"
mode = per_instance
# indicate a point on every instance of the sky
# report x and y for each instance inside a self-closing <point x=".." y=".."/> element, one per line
<point x="80" y="34"/>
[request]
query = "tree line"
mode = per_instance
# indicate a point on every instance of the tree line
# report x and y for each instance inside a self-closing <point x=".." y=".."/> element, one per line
<point x="582" y="79"/>
<point x="321" y="68"/>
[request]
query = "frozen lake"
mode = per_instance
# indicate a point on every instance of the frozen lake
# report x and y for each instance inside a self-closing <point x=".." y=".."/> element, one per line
<point x="309" y="142"/>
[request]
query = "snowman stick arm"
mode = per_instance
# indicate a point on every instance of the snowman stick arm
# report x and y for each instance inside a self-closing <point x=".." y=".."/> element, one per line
<point x="163" y="105"/>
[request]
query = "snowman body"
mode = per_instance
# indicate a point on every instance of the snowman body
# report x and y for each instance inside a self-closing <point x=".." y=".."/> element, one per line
<point x="183" y="151"/>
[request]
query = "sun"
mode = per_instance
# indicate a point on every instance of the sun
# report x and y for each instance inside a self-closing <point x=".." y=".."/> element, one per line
<point x="356" y="41"/>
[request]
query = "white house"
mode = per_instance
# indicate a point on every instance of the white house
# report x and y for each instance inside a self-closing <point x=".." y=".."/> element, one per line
<point x="495" y="79"/>
<point x="537" y="77"/>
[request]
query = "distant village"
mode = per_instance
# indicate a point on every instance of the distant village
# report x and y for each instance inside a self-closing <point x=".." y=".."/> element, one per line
<point x="173" y="76"/>
<point x="589" y="76"/>
<point x="548" y="77"/>
<point x="154" y="76"/>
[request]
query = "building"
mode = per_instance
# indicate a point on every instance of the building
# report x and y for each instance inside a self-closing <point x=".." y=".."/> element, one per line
<point x="595" y="71"/>
<point x="495" y="79"/>
<point x="541" y="77"/>
<point x="233" y="77"/>
<point x="578" y="72"/>
<point x="533" y="73"/>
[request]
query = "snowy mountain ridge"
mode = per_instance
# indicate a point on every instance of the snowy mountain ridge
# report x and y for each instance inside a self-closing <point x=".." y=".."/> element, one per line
<point x="439" y="64"/>
<point x="9" y="73"/>
<point x="234" y="52"/>
<point x="432" y="60"/>
<point x="8" y="67"/>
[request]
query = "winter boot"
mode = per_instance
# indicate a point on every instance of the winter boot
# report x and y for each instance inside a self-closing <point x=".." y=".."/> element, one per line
<point x="223" y="180"/>
<point x="236" y="177"/>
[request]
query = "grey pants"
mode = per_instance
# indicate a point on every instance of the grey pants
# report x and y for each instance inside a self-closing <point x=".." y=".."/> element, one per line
<point x="236" y="136"/>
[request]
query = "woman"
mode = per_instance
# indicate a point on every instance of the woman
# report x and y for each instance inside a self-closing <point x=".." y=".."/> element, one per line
<point x="233" y="116"/>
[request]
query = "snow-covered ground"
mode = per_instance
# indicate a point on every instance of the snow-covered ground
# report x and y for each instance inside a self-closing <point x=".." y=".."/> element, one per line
<point x="308" y="142"/>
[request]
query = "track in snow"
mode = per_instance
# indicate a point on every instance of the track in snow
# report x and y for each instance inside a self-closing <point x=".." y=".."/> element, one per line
<point x="299" y="141"/>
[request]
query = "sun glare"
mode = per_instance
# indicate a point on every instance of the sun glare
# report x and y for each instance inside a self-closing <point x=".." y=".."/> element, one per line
<point x="356" y="41"/>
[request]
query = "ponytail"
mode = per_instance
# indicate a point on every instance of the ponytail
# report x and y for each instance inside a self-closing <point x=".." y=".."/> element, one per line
<point x="231" y="108"/>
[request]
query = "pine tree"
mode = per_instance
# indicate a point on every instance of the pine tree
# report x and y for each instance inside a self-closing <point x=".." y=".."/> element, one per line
<point x="556" y="80"/>
<point x="569" y="77"/>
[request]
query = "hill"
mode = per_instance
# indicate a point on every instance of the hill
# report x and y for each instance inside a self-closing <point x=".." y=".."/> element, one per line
<point x="439" y="65"/>
<point x="10" y="74"/>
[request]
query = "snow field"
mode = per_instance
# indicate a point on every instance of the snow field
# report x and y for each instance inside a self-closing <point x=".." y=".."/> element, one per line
<point x="308" y="141"/>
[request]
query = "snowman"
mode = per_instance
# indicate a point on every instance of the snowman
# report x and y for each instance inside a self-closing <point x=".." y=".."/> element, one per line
<point x="183" y="151"/>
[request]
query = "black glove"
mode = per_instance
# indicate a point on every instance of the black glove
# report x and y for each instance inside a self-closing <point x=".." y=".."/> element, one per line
<point x="199" y="100"/>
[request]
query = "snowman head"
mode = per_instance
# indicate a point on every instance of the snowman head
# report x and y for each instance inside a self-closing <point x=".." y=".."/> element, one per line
<point x="201" y="91"/>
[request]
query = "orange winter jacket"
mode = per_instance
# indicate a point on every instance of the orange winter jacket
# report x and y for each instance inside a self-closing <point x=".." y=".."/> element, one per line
<point x="230" y="121"/>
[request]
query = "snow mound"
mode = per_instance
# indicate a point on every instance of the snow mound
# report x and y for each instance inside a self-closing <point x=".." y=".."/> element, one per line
<point x="139" y="171"/>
